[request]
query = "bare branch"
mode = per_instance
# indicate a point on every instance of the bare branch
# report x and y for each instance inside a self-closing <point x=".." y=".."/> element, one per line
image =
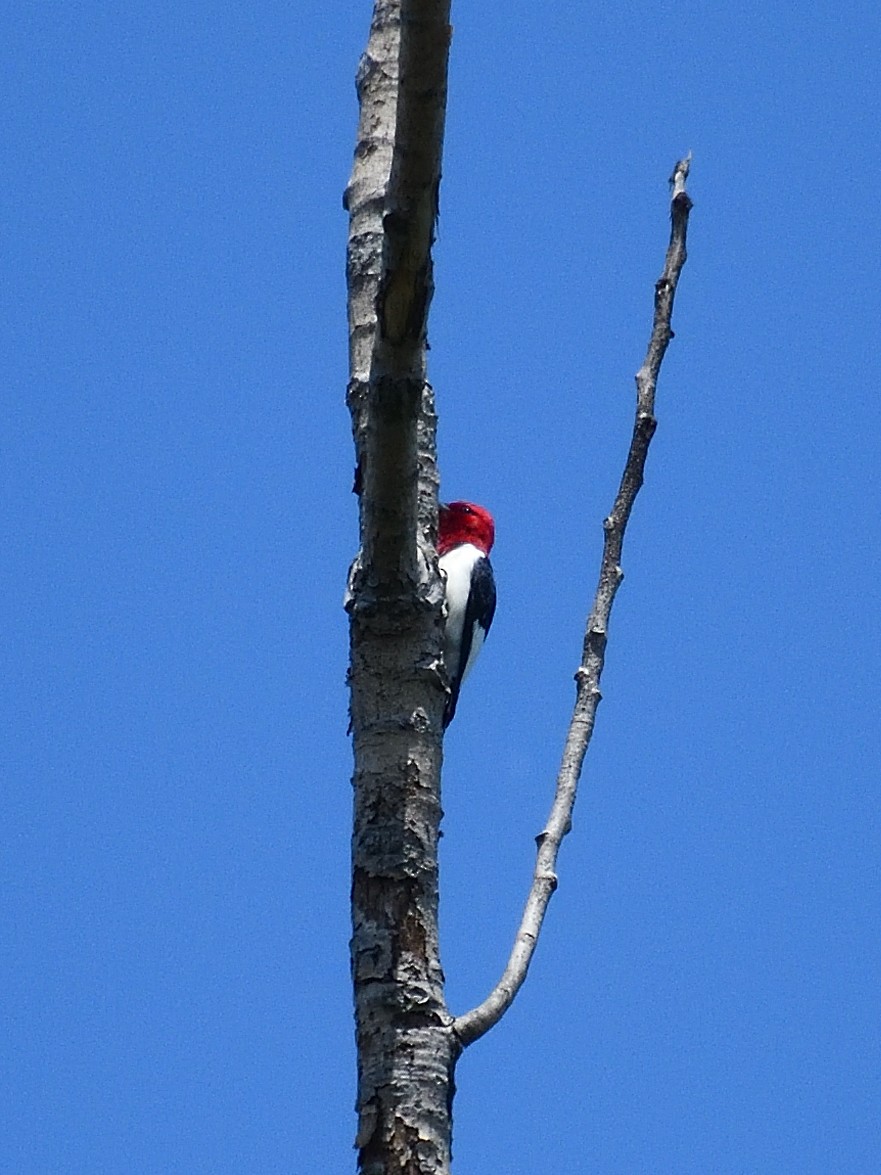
<point x="479" y="1020"/>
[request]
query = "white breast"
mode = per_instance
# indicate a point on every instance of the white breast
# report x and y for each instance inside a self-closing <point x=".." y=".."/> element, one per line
<point x="457" y="566"/>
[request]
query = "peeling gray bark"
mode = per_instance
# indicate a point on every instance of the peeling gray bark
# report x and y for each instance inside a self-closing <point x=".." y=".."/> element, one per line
<point x="406" y="1047"/>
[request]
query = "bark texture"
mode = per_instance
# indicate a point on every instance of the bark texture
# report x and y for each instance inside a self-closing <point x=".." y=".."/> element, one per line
<point x="479" y="1020"/>
<point x="406" y="1047"/>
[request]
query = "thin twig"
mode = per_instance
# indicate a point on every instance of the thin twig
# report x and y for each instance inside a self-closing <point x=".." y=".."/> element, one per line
<point x="479" y="1020"/>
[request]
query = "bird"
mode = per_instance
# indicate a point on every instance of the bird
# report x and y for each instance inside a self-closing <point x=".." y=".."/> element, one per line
<point x="466" y="533"/>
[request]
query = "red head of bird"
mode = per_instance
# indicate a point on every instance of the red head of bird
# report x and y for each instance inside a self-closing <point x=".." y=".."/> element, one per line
<point x="464" y="522"/>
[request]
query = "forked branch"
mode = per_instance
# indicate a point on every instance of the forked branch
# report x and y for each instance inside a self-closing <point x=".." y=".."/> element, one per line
<point x="479" y="1020"/>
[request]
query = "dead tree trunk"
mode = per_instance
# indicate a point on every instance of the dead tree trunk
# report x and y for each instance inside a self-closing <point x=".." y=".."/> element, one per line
<point x="406" y="1046"/>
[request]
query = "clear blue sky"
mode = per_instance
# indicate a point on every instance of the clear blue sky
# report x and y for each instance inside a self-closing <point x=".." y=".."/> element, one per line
<point x="177" y="524"/>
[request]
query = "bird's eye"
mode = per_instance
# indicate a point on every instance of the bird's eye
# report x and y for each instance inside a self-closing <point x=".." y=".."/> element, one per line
<point x="467" y="510"/>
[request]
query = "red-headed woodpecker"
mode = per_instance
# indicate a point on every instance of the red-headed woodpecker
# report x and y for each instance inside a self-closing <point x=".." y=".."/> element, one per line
<point x="465" y="537"/>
